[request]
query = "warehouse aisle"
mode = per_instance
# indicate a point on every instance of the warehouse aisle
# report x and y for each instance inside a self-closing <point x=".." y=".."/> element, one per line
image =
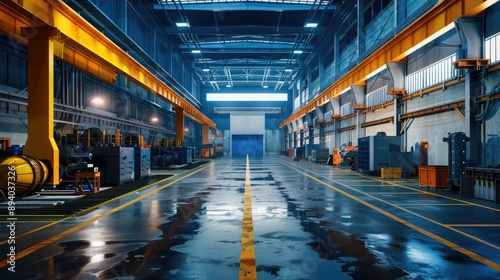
<point x="310" y="221"/>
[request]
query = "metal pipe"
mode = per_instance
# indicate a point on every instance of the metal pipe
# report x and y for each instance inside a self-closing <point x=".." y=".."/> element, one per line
<point x="84" y="156"/>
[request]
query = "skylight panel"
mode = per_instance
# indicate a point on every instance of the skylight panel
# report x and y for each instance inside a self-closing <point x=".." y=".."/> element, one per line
<point x="303" y="2"/>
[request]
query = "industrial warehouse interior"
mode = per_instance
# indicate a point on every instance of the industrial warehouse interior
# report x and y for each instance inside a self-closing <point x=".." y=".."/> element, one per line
<point x="250" y="139"/>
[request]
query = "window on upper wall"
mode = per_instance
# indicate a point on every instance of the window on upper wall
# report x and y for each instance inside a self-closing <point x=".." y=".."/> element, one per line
<point x="315" y="73"/>
<point x="328" y="58"/>
<point x="348" y="37"/>
<point x="373" y="8"/>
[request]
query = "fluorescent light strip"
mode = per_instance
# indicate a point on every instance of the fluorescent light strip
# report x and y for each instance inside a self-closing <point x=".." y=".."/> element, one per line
<point x="311" y="24"/>
<point x="247" y="97"/>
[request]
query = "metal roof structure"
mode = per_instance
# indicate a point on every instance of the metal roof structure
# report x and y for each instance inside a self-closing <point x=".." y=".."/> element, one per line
<point x="256" y="43"/>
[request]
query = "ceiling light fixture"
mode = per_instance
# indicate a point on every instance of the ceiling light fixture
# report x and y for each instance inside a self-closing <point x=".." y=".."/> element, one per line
<point x="182" y="24"/>
<point x="288" y="70"/>
<point x="205" y="70"/>
<point x="195" y="51"/>
<point x="311" y="24"/>
<point x="297" y="51"/>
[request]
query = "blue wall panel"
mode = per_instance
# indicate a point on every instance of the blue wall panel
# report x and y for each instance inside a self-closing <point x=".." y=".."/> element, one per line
<point x="252" y="144"/>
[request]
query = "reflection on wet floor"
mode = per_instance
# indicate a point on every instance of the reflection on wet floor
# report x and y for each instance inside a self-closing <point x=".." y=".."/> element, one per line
<point x="302" y="229"/>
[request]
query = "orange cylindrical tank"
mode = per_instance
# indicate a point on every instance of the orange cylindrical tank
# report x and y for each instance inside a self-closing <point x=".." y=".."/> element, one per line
<point x="22" y="172"/>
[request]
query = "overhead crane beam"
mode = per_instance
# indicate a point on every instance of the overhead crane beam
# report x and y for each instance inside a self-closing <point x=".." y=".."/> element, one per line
<point x="11" y="24"/>
<point x="85" y="46"/>
<point x="425" y="29"/>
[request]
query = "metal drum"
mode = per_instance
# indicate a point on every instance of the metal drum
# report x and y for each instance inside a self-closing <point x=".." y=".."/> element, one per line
<point x="28" y="174"/>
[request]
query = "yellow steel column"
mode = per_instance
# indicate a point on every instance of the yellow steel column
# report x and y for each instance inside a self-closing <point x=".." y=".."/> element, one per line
<point x="179" y="124"/>
<point x="40" y="143"/>
<point x="206" y="151"/>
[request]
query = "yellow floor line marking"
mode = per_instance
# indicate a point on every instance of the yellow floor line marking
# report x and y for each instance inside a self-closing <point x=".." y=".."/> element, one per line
<point x="432" y="204"/>
<point x="367" y="185"/>
<point x="88" y="222"/>
<point x="389" y="192"/>
<point x="432" y="193"/>
<point x="410" y="225"/>
<point x="248" y="268"/>
<point x="473" y="225"/>
<point x="36" y="216"/>
<point x="87" y="209"/>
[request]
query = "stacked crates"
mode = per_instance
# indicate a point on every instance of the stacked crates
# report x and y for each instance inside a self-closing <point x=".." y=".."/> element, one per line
<point x="390" y="173"/>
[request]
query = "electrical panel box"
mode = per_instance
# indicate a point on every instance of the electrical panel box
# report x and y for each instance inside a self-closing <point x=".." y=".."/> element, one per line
<point x="115" y="163"/>
<point x="375" y="152"/>
<point x="185" y="155"/>
<point x="142" y="162"/>
<point x="456" y="156"/>
<point x="308" y="148"/>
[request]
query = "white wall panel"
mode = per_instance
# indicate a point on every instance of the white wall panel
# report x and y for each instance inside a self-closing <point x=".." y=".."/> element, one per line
<point x="433" y="128"/>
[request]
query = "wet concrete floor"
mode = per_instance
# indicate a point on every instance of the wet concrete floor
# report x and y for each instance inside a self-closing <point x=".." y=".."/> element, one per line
<point x="310" y="221"/>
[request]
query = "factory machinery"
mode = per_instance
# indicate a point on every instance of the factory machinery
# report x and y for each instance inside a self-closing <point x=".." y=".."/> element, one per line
<point x="344" y="156"/>
<point x="110" y="160"/>
<point x="482" y="182"/>
<point x="381" y="151"/>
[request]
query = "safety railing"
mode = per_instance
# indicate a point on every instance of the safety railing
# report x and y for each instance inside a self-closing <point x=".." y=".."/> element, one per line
<point x="432" y="75"/>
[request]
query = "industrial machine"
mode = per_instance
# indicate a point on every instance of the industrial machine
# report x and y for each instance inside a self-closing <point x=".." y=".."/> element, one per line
<point x="320" y="155"/>
<point x="298" y="153"/>
<point x="348" y="154"/>
<point x="115" y="163"/>
<point x="142" y="162"/>
<point x="308" y="148"/>
<point x="457" y="146"/>
<point x="336" y="159"/>
<point x="114" y="158"/>
<point x="27" y="173"/>
<point x="380" y="150"/>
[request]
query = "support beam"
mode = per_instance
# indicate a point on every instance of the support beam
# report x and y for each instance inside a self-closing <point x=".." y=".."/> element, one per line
<point x="433" y="24"/>
<point x="300" y="123"/>
<point x="179" y="124"/>
<point x="206" y="130"/>
<point x="309" y="118"/>
<point x="86" y="41"/>
<point x="308" y="127"/>
<point x="12" y="20"/>
<point x="321" y="114"/>
<point x="40" y="143"/>
<point x="471" y="30"/>
<point x="397" y="71"/>
<point x="336" y="107"/>
<point x="377" y="122"/>
<point x="433" y="110"/>
<point x="352" y="127"/>
<point x="359" y="94"/>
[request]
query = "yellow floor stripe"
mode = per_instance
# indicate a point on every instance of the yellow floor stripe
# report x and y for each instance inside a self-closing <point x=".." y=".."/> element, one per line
<point x="66" y="217"/>
<point x="473" y="225"/>
<point x="90" y="221"/>
<point x="432" y="204"/>
<point x="389" y="192"/>
<point x="247" y="257"/>
<point x="436" y="237"/>
<point x="435" y="193"/>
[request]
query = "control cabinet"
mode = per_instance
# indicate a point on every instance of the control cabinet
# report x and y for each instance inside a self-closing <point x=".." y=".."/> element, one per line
<point x="115" y="163"/>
